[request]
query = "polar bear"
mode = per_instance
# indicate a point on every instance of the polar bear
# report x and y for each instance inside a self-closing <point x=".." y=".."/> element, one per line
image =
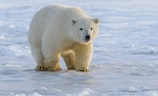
<point x="62" y="31"/>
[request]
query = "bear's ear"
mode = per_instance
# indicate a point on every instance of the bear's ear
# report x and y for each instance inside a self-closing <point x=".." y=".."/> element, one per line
<point x="96" y="20"/>
<point x="74" y="21"/>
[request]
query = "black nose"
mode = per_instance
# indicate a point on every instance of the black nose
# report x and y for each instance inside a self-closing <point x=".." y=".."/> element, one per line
<point x="87" y="37"/>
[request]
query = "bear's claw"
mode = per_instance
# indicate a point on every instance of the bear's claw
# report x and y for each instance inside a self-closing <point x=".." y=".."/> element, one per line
<point x="46" y="68"/>
<point x="82" y="69"/>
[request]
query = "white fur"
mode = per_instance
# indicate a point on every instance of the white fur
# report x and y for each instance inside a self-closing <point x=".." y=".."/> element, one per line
<point x="55" y="31"/>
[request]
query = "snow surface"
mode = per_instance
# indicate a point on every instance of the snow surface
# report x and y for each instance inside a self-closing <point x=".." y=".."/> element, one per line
<point x="125" y="60"/>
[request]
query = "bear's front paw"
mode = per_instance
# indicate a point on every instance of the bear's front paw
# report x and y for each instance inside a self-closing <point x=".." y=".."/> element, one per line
<point x="41" y="68"/>
<point x="81" y="69"/>
<point x="46" y="68"/>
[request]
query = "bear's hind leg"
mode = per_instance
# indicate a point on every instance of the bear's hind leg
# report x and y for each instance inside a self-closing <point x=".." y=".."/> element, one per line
<point x="37" y="54"/>
<point x="69" y="60"/>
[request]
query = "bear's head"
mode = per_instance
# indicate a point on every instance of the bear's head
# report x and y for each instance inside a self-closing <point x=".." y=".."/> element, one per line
<point x="84" y="30"/>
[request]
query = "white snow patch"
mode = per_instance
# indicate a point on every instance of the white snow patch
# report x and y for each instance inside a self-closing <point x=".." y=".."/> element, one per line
<point x="125" y="60"/>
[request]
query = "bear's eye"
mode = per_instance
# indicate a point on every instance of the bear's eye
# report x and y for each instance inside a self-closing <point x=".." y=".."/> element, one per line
<point x="91" y="28"/>
<point x="81" y="29"/>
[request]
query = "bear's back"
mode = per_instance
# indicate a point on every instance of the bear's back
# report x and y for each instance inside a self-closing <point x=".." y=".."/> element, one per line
<point x="62" y="11"/>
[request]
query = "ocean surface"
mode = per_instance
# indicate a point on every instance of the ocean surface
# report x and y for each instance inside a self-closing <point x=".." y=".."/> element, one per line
<point x="125" y="60"/>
